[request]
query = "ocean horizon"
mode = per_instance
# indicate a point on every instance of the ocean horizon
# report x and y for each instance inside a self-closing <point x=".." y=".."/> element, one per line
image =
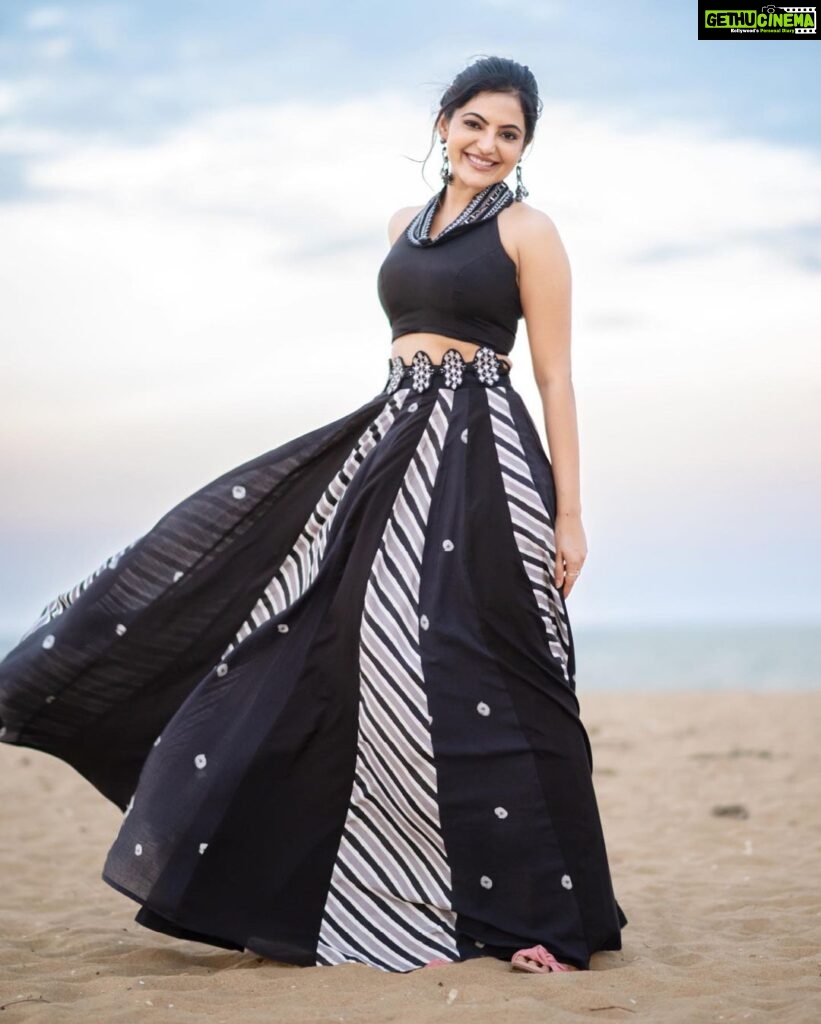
<point x="680" y="656"/>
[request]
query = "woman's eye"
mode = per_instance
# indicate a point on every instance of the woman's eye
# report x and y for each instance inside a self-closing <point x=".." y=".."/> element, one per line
<point x="510" y="136"/>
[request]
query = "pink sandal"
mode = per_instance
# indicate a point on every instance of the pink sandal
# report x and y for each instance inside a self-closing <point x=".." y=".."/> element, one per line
<point x="542" y="957"/>
<point x="438" y="963"/>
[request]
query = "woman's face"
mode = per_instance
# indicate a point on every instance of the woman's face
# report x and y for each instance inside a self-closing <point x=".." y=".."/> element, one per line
<point x="485" y="138"/>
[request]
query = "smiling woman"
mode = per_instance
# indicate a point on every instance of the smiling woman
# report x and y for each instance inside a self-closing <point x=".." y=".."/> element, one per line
<point x="465" y="297"/>
<point x="333" y="691"/>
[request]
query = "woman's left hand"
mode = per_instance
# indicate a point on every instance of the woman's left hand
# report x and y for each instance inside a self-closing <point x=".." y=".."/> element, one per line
<point x="571" y="550"/>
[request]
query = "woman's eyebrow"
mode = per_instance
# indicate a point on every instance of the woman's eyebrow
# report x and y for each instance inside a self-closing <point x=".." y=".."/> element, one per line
<point x="474" y="114"/>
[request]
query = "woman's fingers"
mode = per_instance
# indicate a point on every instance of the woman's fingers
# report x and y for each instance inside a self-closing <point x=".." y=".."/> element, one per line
<point x="567" y="572"/>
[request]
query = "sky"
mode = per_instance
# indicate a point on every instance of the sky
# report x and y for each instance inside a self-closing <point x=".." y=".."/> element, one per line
<point x="193" y="209"/>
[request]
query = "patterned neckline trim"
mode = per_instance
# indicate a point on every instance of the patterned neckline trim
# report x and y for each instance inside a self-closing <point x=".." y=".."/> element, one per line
<point x="484" y="206"/>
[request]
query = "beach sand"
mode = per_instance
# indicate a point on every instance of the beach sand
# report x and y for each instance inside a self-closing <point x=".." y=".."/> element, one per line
<point x="724" y="909"/>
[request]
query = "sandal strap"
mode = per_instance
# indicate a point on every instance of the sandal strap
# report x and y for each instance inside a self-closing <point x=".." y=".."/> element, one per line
<point x="542" y="956"/>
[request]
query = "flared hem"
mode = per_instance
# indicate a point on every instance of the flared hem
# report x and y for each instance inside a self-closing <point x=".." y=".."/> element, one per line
<point x="151" y="919"/>
<point x="333" y="692"/>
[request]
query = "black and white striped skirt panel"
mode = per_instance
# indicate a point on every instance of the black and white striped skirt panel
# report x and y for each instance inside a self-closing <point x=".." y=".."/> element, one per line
<point x="389" y="901"/>
<point x="532" y="526"/>
<point x="300" y="567"/>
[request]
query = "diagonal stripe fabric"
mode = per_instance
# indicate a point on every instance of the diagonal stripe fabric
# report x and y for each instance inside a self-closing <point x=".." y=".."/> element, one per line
<point x="300" y="567"/>
<point x="389" y="899"/>
<point x="532" y="527"/>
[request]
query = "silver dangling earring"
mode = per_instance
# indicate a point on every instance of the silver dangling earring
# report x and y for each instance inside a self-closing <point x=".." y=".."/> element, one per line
<point x="521" y="191"/>
<point x="445" y="173"/>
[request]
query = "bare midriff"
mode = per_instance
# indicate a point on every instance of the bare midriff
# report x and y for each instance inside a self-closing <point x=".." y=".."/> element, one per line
<point x="436" y="345"/>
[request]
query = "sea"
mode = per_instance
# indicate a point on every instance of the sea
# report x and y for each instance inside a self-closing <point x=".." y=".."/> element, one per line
<point x="710" y="656"/>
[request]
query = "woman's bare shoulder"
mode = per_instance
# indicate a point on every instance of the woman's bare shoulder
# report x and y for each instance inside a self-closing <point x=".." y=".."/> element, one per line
<point x="400" y="220"/>
<point x="527" y="232"/>
<point x="527" y="220"/>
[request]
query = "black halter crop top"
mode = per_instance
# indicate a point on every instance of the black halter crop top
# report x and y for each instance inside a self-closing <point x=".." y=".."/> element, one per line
<point x="462" y="287"/>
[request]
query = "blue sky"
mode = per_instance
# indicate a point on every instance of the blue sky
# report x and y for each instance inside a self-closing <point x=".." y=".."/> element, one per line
<point x="169" y="213"/>
<point x="134" y="69"/>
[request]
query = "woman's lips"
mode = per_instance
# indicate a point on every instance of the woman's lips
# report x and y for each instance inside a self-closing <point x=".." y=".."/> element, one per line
<point x="479" y="166"/>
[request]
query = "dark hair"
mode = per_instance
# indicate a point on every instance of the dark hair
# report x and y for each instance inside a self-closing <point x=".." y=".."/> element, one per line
<point x="491" y="74"/>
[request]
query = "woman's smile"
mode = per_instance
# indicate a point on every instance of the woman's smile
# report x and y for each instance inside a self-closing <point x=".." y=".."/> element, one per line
<point x="479" y="163"/>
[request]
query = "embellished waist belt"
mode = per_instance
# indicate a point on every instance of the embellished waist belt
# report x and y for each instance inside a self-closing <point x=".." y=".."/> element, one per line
<point x="485" y="369"/>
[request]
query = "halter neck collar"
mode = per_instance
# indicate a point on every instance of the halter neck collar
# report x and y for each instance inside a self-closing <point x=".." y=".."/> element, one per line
<point x="483" y="206"/>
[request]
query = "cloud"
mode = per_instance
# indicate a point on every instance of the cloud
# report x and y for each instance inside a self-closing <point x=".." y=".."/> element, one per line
<point x="7" y="99"/>
<point x="55" y="48"/>
<point x="174" y="307"/>
<point x="42" y="19"/>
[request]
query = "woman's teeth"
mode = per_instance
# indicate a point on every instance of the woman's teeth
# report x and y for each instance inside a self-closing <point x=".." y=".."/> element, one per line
<point x="480" y="165"/>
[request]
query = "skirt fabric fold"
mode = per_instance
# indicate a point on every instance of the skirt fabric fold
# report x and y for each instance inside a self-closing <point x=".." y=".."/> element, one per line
<point x="333" y="693"/>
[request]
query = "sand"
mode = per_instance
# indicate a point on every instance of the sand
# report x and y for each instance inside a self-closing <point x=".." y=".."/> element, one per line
<point x="724" y="909"/>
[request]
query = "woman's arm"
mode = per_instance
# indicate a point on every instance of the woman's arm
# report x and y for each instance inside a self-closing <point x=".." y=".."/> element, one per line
<point x="545" y="290"/>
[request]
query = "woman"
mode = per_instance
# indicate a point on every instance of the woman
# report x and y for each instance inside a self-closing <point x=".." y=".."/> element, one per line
<point x="333" y="691"/>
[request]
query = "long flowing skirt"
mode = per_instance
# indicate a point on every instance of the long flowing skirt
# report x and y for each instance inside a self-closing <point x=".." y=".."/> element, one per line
<point x="333" y="693"/>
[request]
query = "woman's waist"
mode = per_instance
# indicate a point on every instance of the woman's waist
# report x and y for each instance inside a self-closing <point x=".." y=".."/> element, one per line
<point x="436" y="345"/>
<point x="420" y="368"/>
